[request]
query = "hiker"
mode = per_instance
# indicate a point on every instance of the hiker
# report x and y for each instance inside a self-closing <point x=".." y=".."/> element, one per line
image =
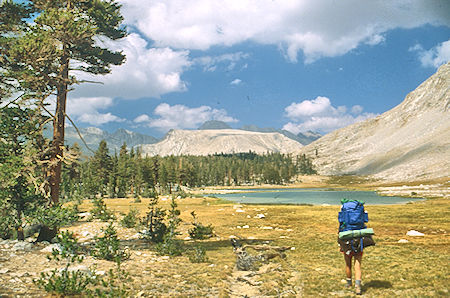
<point x="353" y="238"/>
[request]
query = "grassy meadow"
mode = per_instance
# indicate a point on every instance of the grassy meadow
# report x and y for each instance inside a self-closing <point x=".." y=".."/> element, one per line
<point x="314" y="266"/>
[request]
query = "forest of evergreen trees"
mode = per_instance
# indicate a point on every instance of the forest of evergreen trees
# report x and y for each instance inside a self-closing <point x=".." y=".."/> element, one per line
<point x="128" y="173"/>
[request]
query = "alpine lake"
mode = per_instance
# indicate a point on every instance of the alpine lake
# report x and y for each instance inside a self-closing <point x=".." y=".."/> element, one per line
<point x="307" y="196"/>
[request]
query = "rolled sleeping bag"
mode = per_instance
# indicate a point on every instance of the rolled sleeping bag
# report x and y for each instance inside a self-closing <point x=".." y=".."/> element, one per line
<point x="356" y="233"/>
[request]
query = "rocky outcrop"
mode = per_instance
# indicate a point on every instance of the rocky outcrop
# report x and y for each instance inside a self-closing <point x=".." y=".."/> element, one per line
<point x="409" y="142"/>
<point x="205" y="142"/>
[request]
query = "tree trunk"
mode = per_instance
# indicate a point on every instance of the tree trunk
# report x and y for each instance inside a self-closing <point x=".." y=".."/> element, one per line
<point x="46" y="234"/>
<point x="20" y="235"/>
<point x="58" y="133"/>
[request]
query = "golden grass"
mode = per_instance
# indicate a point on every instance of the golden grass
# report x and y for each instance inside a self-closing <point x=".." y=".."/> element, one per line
<point x="419" y="268"/>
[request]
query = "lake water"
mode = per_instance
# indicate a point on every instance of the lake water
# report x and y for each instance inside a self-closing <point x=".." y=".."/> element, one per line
<point x="309" y="196"/>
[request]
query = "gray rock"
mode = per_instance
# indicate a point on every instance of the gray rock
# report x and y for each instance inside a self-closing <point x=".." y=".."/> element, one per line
<point x="51" y="247"/>
<point x="25" y="246"/>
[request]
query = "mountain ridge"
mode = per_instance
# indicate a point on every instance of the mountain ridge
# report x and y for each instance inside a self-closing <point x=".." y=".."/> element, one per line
<point x="206" y="142"/>
<point x="410" y="141"/>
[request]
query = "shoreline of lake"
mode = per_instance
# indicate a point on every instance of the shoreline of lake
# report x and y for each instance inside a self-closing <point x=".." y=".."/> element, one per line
<point x="307" y="196"/>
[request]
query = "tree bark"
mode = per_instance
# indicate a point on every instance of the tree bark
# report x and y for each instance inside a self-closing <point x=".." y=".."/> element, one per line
<point x="58" y="132"/>
<point x="46" y="234"/>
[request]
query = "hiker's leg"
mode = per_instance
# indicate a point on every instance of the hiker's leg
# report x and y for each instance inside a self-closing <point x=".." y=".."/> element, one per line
<point x="358" y="259"/>
<point x="348" y="265"/>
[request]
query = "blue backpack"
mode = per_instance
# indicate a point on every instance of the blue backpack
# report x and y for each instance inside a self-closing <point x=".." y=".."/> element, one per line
<point x="352" y="215"/>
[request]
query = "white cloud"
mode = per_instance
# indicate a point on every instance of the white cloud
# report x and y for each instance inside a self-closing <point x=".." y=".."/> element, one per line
<point x="320" y="115"/>
<point x="236" y="82"/>
<point x="85" y="109"/>
<point x="317" y="28"/>
<point x="97" y="118"/>
<point x="357" y="109"/>
<point x="435" y="56"/>
<point x="142" y="119"/>
<point x="319" y="106"/>
<point x="147" y="72"/>
<point x="182" y="117"/>
<point x="210" y="63"/>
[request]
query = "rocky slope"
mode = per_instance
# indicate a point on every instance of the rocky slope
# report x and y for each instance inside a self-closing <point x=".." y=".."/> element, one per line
<point x="409" y="142"/>
<point x="205" y="142"/>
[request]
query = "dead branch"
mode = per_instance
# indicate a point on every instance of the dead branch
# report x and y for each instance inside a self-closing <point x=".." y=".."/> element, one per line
<point x="79" y="133"/>
<point x="266" y="247"/>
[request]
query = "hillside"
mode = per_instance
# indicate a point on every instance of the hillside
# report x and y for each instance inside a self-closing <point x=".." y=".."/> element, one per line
<point x="205" y="142"/>
<point x="409" y="142"/>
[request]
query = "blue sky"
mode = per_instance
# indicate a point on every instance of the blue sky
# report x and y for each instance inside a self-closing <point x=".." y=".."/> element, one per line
<point x="297" y="65"/>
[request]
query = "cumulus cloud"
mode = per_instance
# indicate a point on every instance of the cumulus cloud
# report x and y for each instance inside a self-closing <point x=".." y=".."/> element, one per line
<point x="147" y="72"/>
<point x="316" y="28"/>
<point x="85" y="109"/>
<point x="235" y="82"/>
<point x="435" y="56"/>
<point x="182" y="117"/>
<point x="320" y="115"/>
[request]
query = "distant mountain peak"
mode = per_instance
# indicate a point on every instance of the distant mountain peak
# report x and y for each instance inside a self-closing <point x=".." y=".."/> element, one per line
<point x="94" y="130"/>
<point x="302" y="138"/>
<point x="212" y="141"/>
<point x="214" y="124"/>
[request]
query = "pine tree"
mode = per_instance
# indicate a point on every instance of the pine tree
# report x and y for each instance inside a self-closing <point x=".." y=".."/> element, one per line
<point x="102" y="166"/>
<point x="61" y="39"/>
<point x="123" y="172"/>
<point x="20" y="135"/>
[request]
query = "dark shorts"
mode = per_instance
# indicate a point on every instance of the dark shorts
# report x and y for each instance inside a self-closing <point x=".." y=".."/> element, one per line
<point x="352" y="247"/>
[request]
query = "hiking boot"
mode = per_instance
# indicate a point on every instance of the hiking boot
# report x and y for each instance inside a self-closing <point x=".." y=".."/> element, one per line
<point x="348" y="283"/>
<point x="358" y="290"/>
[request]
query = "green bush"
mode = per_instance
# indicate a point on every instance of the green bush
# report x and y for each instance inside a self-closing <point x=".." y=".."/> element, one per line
<point x="114" y="285"/>
<point x="155" y="227"/>
<point x="200" y="231"/>
<point x="170" y="247"/>
<point x="7" y="222"/>
<point x="198" y="254"/>
<point x="100" y="211"/>
<point x="108" y="246"/>
<point x="65" y="281"/>
<point x="54" y="216"/>
<point x="131" y="219"/>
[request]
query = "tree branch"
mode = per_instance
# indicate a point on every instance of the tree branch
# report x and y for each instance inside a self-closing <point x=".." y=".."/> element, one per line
<point x="13" y="101"/>
<point x="79" y="133"/>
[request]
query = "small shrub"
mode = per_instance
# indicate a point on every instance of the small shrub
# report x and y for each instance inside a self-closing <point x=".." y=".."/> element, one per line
<point x="108" y="246"/>
<point x="114" y="285"/>
<point x="7" y="222"/>
<point x="198" y="254"/>
<point x="65" y="281"/>
<point x="155" y="228"/>
<point x="200" y="231"/>
<point x="131" y="219"/>
<point x="170" y="247"/>
<point x="100" y="211"/>
<point x="68" y="248"/>
<point x="54" y="217"/>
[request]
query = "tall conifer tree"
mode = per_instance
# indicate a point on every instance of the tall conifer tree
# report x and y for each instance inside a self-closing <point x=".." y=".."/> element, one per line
<point x="61" y="39"/>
